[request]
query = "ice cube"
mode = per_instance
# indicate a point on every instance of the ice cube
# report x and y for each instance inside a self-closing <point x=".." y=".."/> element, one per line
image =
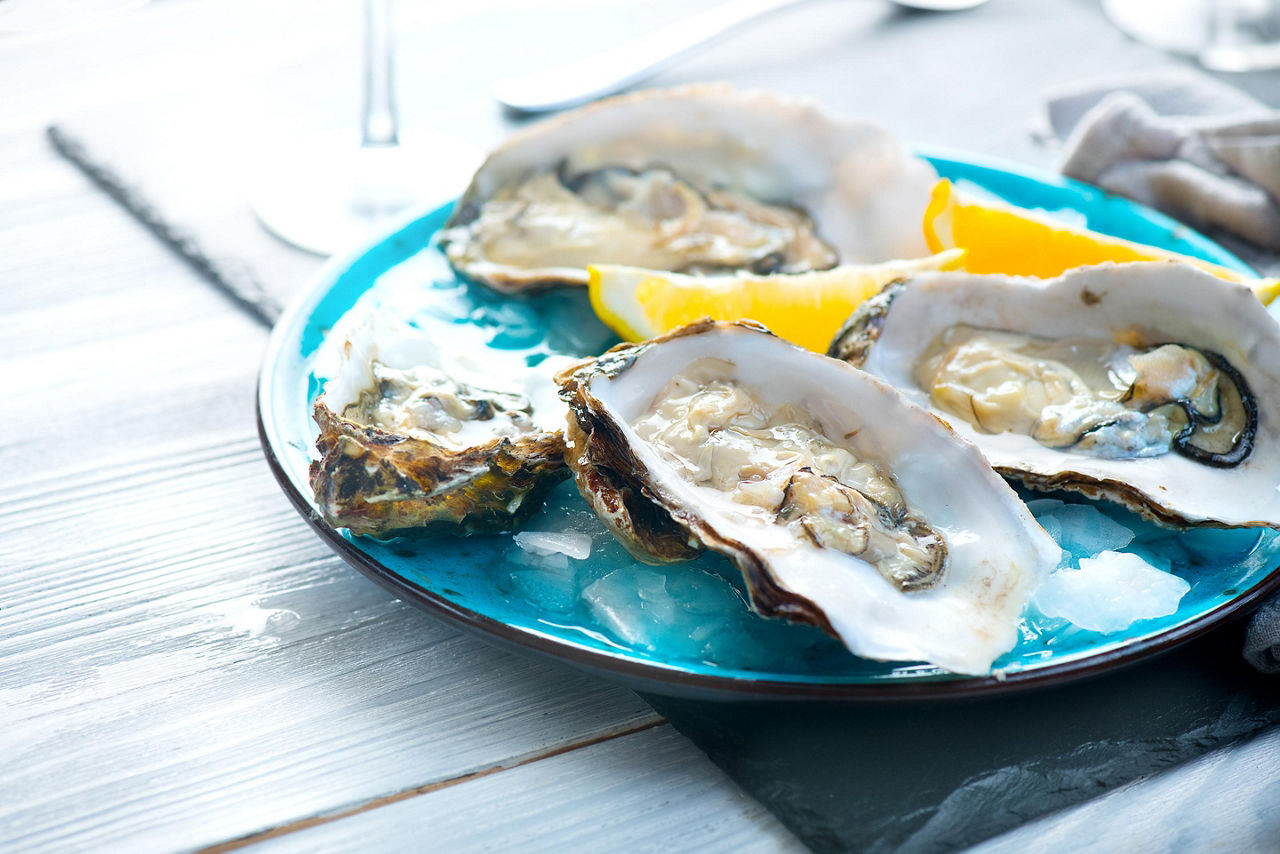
<point x="616" y="604"/>
<point x="1216" y="545"/>
<point x="575" y="544"/>
<point x="565" y="512"/>
<point x="545" y="580"/>
<point x="1051" y="526"/>
<point x="680" y="610"/>
<point x="1085" y="531"/>
<point x="706" y="595"/>
<point x="654" y="599"/>
<point x="1111" y="592"/>
<point x="547" y="589"/>
<point x="537" y="560"/>
<point x="1040" y="506"/>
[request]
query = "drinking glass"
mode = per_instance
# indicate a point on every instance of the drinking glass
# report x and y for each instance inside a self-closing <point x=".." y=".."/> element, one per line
<point x="328" y="191"/>
<point x="1224" y="35"/>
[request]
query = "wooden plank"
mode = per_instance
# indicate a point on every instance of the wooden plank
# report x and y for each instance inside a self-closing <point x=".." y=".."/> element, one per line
<point x="640" y="792"/>
<point x="181" y="660"/>
<point x="156" y="682"/>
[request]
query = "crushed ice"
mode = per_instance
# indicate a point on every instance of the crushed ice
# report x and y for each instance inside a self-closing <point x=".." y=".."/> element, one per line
<point x="1080" y="529"/>
<point x="1099" y="588"/>
<point x="1112" y="573"/>
<point x="1110" y="592"/>
<point x="575" y="544"/>
<point x="686" y="611"/>
<point x="648" y="609"/>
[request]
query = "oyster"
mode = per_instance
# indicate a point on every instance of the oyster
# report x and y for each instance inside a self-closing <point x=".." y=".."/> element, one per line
<point x="695" y="179"/>
<point x="843" y="505"/>
<point x="412" y="439"/>
<point x="1153" y="385"/>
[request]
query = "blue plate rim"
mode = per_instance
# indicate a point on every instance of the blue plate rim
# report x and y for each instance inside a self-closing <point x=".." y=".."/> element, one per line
<point x="661" y="678"/>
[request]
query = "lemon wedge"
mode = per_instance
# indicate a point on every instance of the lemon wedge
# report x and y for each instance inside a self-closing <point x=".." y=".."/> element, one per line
<point x="804" y="308"/>
<point x="1004" y="239"/>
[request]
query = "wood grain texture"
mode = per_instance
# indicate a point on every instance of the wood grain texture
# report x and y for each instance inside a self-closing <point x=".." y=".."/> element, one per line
<point x="181" y="661"/>
<point x="192" y="664"/>
<point x="637" y="793"/>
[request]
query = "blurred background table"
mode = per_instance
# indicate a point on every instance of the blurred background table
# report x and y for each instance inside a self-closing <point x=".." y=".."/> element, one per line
<point x="182" y="663"/>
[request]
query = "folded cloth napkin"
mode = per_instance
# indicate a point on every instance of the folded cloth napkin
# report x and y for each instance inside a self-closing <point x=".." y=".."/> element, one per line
<point x="1262" y="641"/>
<point x="1198" y="150"/>
<point x="1202" y="152"/>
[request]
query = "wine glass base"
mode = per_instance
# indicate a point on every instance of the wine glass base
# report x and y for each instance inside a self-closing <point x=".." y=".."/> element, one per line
<point x="1180" y="26"/>
<point x="327" y="192"/>
<point x="60" y="17"/>
<point x="1223" y="35"/>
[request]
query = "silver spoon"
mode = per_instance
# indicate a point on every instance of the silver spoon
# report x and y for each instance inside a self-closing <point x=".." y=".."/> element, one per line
<point x="597" y="76"/>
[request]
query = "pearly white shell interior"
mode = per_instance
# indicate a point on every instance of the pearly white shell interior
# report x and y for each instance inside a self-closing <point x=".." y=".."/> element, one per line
<point x="997" y="553"/>
<point x="1164" y="301"/>
<point x="866" y="193"/>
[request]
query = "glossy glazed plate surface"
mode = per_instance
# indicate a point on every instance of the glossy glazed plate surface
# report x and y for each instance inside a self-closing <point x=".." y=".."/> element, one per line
<point x="690" y="631"/>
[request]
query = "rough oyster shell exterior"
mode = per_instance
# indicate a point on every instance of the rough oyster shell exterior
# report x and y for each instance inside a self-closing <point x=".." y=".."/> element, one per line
<point x="381" y="476"/>
<point x="375" y="481"/>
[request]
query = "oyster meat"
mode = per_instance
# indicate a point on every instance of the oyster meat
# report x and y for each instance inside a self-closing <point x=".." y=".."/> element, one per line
<point x="412" y="438"/>
<point x="696" y="179"/>
<point x="1099" y="397"/>
<point x="843" y="505"/>
<point x="1153" y="385"/>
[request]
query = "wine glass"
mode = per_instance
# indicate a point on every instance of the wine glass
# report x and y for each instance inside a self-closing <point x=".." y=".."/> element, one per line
<point x="1224" y="35"/>
<point x="55" y="17"/>
<point x="327" y="191"/>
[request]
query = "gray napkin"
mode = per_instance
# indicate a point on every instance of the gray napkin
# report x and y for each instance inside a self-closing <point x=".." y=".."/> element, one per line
<point x="1200" y="151"/>
<point x="1262" y="641"/>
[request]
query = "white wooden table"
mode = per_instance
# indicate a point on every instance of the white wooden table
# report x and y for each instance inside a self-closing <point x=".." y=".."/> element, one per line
<point x="182" y="663"/>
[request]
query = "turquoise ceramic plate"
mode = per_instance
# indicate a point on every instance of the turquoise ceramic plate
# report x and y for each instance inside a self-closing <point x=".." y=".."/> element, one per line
<point x="691" y="632"/>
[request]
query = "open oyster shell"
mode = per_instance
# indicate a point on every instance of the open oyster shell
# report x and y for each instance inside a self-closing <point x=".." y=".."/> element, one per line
<point x="1137" y="311"/>
<point x="693" y="179"/>
<point x="976" y="554"/>
<point x="412" y="439"/>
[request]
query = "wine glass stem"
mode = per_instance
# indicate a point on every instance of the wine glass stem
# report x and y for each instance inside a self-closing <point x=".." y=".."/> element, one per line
<point x="379" y="123"/>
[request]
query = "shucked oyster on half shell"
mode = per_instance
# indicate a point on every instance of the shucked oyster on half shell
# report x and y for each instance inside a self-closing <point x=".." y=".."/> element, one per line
<point x="843" y="505"/>
<point x="1153" y="385"/>
<point x="696" y="179"/>
<point x="412" y="436"/>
